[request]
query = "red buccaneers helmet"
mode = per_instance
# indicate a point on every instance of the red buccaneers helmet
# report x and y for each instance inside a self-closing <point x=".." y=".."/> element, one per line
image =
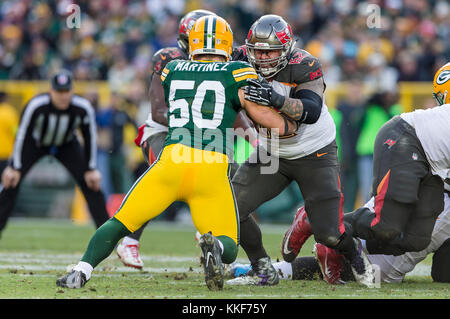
<point x="270" y="32"/>
<point x="186" y="24"/>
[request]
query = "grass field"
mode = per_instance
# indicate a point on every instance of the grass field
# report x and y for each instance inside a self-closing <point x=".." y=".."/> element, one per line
<point x="35" y="252"/>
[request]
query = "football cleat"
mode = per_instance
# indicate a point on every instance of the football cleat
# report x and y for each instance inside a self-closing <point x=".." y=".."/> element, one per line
<point x="129" y="255"/>
<point x="330" y="262"/>
<point x="211" y="260"/>
<point x="74" y="279"/>
<point x="262" y="274"/>
<point x="296" y="235"/>
<point x="237" y="270"/>
<point x="361" y="267"/>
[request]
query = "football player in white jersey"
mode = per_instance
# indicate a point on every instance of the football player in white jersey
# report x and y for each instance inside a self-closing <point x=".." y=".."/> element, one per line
<point x="411" y="165"/>
<point x="293" y="84"/>
<point x="412" y="172"/>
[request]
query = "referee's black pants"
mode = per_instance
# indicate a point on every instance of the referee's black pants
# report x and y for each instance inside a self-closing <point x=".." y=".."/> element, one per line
<point x="72" y="157"/>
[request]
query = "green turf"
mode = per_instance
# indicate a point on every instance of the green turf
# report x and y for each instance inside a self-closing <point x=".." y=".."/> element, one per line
<point x="35" y="252"/>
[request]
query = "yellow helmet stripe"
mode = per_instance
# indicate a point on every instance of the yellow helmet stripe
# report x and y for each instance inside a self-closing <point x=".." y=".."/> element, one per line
<point x="209" y="39"/>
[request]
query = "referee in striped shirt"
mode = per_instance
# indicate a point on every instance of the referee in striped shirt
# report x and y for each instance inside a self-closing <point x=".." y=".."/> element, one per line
<point x="48" y="126"/>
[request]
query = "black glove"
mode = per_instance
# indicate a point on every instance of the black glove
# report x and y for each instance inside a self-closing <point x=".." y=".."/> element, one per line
<point x="261" y="92"/>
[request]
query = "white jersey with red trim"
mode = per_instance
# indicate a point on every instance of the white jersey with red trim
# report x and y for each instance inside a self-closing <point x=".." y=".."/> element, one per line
<point x="309" y="138"/>
<point x="394" y="268"/>
<point x="432" y="127"/>
<point x="151" y="127"/>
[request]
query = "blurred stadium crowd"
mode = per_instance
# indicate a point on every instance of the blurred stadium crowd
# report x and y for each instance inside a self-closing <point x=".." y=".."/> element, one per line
<point x="116" y="40"/>
<point x="410" y="40"/>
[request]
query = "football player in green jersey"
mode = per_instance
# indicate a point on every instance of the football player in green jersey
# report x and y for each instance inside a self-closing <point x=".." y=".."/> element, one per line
<point x="203" y="96"/>
<point x="153" y="133"/>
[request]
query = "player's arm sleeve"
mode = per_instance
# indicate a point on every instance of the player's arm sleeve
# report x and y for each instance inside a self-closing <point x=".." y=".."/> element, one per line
<point x="89" y="132"/>
<point x="157" y="101"/>
<point x="23" y="133"/>
<point x="165" y="75"/>
<point x="305" y="103"/>
<point x="156" y="93"/>
<point x="268" y="117"/>
<point x="239" y="79"/>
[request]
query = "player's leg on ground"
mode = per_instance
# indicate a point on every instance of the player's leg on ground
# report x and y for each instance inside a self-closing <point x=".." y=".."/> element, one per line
<point x="214" y="214"/>
<point x="128" y="249"/>
<point x="318" y="179"/>
<point x="296" y="235"/>
<point x="253" y="189"/>
<point x="418" y="230"/>
<point x="161" y="180"/>
<point x="441" y="263"/>
<point x="400" y="166"/>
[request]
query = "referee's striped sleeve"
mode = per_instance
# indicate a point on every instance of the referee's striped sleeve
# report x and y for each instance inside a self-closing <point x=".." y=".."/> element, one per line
<point x="24" y="127"/>
<point x="89" y="130"/>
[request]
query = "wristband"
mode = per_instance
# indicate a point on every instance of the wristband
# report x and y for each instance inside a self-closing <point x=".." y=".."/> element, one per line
<point x="277" y="100"/>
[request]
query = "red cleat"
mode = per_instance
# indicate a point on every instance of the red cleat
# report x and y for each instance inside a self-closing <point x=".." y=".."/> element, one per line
<point x="331" y="263"/>
<point x="296" y="235"/>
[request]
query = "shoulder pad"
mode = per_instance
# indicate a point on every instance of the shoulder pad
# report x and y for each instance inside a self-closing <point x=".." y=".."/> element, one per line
<point x="240" y="64"/>
<point x="241" y="71"/>
<point x="164" y="56"/>
<point x="302" y="67"/>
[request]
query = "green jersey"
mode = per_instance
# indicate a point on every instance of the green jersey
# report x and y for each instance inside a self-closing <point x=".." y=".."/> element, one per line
<point x="203" y="102"/>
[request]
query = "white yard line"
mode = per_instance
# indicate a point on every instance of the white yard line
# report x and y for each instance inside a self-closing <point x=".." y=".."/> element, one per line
<point x="46" y="261"/>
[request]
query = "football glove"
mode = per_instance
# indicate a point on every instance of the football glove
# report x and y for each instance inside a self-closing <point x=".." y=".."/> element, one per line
<point x="261" y="92"/>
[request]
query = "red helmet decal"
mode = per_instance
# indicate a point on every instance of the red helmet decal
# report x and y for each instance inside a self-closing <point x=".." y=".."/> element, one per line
<point x="186" y="26"/>
<point x="182" y="29"/>
<point x="250" y="32"/>
<point x="285" y="35"/>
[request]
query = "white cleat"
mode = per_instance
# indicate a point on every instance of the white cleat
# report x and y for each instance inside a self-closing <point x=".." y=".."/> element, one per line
<point x="74" y="279"/>
<point x="244" y="281"/>
<point x="263" y="274"/>
<point x="362" y="268"/>
<point x="129" y="255"/>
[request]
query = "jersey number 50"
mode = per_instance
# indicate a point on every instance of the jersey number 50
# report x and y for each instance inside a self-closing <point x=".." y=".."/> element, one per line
<point x="197" y="103"/>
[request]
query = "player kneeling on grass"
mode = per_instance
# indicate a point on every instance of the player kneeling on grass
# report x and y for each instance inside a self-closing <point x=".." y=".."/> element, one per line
<point x="204" y="96"/>
<point x="330" y="266"/>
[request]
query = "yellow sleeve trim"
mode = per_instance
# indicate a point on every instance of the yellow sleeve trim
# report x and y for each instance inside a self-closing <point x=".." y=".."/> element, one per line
<point x="245" y="77"/>
<point x="243" y="70"/>
<point x="164" y="74"/>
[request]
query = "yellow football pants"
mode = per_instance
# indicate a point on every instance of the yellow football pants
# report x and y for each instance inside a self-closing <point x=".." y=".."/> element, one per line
<point x="197" y="177"/>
